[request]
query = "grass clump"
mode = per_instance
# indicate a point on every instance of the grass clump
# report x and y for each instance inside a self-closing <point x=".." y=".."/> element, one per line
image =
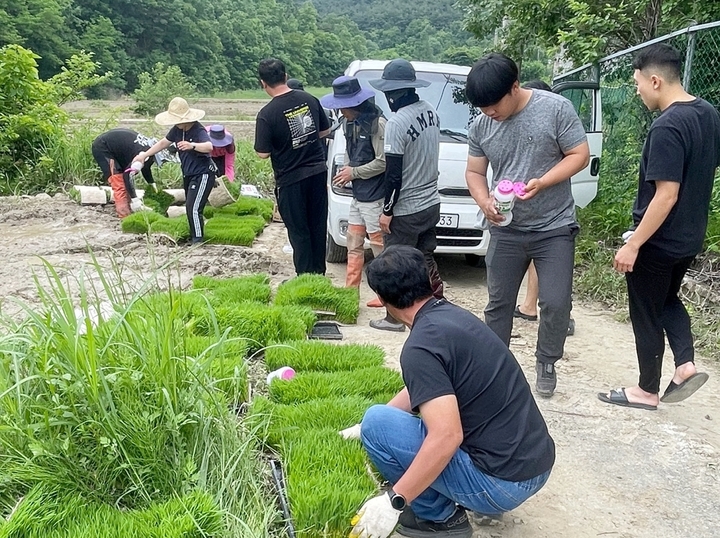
<point x="138" y="223"/>
<point x="260" y="324"/>
<point x="313" y="355"/>
<point x="306" y="386"/>
<point x="244" y="205"/>
<point x="318" y="293"/>
<point x="235" y="290"/>
<point x="46" y="514"/>
<point x="229" y="230"/>
<point x="158" y="201"/>
<point x="177" y="228"/>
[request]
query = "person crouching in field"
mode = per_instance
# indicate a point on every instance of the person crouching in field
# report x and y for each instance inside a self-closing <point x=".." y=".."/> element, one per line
<point x="194" y="147"/>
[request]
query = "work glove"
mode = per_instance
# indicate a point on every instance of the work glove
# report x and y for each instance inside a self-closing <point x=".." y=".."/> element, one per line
<point x="155" y="187"/>
<point x="376" y="519"/>
<point x="137" y="205"/>
<point x="627" y="235"/>
<point x="353" y="432"/>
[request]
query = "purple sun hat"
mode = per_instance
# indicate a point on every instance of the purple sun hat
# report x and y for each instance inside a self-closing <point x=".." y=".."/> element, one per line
<point x="347" y="93"/>
<point x="219" y="137"/>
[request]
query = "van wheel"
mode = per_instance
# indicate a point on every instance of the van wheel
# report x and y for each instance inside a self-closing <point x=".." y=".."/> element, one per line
<point x="475" y="260"/>
<point x="334" y="253"/>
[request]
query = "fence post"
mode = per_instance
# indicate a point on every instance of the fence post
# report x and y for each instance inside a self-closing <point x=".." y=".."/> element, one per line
<point x="688" y="61"/>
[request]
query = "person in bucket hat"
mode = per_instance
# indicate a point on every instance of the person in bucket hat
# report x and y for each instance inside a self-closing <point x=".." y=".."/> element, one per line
<point x="289" y="131"/>
<point x="114" y="151"/>
<point x="194" y="147"/>
<point x="364" y="127"/>
<point x="223" y="152"/>
<point x="411" y="207"/>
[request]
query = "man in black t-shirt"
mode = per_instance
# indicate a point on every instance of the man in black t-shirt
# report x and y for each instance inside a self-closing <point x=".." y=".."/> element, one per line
<point x="670" y="217"/>
<point x="289" y="130"/>
<point x="480" y="441"/>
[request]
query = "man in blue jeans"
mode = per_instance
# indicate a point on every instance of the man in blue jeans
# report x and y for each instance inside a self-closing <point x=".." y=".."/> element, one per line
<point x="465" y="432"/>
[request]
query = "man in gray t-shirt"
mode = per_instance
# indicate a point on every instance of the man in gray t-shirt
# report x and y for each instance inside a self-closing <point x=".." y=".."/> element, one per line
<point x="412" y="149"/>
<point x="534" y="137"/>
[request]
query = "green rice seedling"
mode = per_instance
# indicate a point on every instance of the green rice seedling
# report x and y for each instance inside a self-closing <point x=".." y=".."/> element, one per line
<point x="235" y="290"/>
<point x="318" y="293"/>
<point x="244" y="205"/>
<point x="138" y="223"/>
<point x="228" y="369"/>
<point x="229" y="230"/>
<point x="314" y="355"/>
<point x="260" y="324"/>
<point x="158" y="201"/>
<point x="282" y="423"/>
<point x="365" y="382"/>
<point x="54" y="514"/>
<point x="178" y="228"/>
<point x="327" y="481"/>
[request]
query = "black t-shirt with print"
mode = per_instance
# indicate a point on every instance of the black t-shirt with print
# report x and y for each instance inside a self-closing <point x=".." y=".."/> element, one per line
<point x="683" y="145"/>
<point x="193" y="163"/>
<point x="450" y="351"/>
<point x="124" y="145"/>
<point x="287" y="128"/>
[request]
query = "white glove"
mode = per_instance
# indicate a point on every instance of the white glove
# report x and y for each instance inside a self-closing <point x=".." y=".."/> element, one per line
<point x="353" y="432"/>
<point x="155" y="187"/>
<point x="376" y="519"/>
<point x="137" y="205"/>
<point x="627" y="235"/>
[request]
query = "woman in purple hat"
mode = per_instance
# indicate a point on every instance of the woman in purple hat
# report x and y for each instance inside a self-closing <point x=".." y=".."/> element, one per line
<point x="223" y="152"/>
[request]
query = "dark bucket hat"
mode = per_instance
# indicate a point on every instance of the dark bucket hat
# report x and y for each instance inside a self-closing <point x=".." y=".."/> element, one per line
<point x="347" y="93"/>
<point x="397" y="75"/>
<point x="219" y="137"/>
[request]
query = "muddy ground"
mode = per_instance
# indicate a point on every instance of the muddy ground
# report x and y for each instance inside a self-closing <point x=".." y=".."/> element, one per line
<point x="619" y="472"/>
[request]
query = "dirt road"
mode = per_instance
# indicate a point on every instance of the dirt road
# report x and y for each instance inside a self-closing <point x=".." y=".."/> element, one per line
<point x="619" y="473"/>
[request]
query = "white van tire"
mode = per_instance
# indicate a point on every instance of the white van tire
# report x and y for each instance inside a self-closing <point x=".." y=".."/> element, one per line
<point x="334" y="253"/>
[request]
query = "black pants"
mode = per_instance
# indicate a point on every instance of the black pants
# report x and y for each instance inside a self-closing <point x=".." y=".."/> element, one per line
<point x="418" y="230"/>
<point x="303" y="207"/>
<point x="655" y="307"/>
<point x="197" y="190"/>
<point x="110" y="166"/>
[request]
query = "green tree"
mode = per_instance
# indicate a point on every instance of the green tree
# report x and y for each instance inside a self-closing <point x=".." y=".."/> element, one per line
<point x="156" y="89"/>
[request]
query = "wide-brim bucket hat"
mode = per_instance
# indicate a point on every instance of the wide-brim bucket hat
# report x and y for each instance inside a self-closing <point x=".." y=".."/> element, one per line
<point x="347" y="93"/>
<point x="398" y="75"/>
<point x="179" y="112"/>
<point x="219" y="137"/>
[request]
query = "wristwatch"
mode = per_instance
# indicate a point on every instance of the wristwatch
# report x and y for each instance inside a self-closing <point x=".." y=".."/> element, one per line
<point x="397" y="501"/>
<point x="193" y="145"/>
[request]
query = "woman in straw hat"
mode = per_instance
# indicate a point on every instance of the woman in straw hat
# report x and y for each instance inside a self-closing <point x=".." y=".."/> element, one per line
<point x="194" y="147"/>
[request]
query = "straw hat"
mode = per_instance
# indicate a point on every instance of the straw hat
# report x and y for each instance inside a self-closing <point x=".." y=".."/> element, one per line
<point x="179" y="112"/>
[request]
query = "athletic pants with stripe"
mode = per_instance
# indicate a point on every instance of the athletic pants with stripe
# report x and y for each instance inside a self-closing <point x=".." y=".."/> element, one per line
<point x="197" y="191"/>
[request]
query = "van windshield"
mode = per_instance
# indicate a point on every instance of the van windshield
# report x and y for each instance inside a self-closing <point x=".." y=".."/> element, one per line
<point x="446" y="93"/>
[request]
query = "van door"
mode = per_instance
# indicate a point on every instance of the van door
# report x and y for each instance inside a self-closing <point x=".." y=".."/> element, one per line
<point x="585" y="97"/>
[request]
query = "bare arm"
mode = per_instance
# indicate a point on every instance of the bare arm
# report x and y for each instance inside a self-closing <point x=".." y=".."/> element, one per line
<point x="401" y="401"/>
<point x="444" y="436"/>
<point x="574" y="160"/>
<point x="666" y="194"/>
<point x="262" y="155"/>
<point x="476" y="179"/>
<point x="160" y="145"/>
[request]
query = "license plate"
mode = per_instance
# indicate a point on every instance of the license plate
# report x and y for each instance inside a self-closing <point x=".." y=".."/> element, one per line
<point x="448" y="221"/>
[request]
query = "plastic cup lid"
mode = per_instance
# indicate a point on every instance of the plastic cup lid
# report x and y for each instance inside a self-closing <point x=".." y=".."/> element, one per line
<point x="505" y="186"/>
<point x="519" y="188"/>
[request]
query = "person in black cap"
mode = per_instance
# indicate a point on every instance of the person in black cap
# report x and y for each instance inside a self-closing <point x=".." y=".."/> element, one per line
<point x="295" y="84"/>
<point x="289" y="130"/>
<point x="364" y="127"/>
<point x="412" y="150"/>
<point x="223" y="152"/>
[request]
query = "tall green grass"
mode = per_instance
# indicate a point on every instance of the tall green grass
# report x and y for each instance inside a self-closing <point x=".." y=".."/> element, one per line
<point x="127" y="411"/>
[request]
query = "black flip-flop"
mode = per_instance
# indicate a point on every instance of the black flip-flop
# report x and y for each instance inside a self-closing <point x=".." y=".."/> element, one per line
<point x="618" y="397"/>
<point x="678" y="392"/>
<point x="521" y="315"/>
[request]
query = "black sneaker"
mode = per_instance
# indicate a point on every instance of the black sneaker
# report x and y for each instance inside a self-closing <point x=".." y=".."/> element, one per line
<point x="457" y="526"/>
<point x="571" y="327"/>
<point x="546" y="379"/>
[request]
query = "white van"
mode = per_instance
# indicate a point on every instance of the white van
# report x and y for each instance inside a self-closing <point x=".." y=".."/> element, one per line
<point x="456" y="232"/>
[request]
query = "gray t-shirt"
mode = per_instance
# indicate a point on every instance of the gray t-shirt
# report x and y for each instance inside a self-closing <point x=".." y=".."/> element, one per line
<point x="526" y="146"/>
<point x="414" y="132"/>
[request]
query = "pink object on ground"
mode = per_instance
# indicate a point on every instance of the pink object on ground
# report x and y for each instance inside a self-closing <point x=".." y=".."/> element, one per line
<point x="285" y="373"/>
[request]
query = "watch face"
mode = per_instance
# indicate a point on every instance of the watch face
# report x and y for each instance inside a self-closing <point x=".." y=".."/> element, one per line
<point x="398" y="502"/>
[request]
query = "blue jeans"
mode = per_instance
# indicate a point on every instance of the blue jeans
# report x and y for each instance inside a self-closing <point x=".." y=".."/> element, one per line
<point x="393" y="437"/>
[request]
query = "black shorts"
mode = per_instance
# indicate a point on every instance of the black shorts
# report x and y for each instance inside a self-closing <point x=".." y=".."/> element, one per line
<point x="415" y="230"/>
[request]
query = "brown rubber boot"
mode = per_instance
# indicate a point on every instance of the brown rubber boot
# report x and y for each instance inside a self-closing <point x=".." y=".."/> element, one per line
<point x="356" y="255"/>
<point x="122" y="200"/>
<point x="435" y="280"/>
